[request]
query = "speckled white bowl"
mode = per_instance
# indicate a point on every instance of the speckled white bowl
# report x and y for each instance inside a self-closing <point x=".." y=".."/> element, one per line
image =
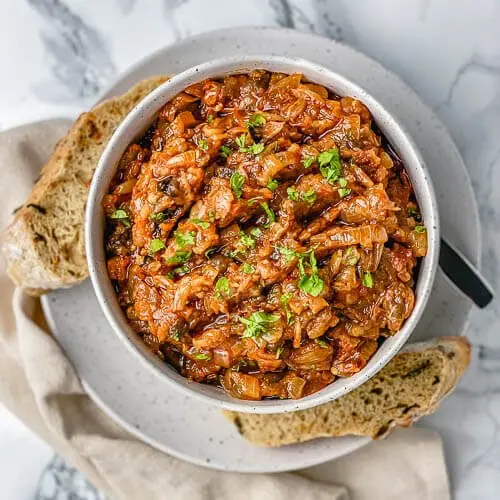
<point x="134" y="125"/>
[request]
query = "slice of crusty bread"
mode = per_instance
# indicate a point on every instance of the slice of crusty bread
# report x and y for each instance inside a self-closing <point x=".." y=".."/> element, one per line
<point x="410" y="386"/>
<point x="44" y="245"/>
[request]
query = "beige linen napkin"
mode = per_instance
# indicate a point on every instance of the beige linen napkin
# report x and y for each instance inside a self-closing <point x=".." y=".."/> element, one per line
<point x="39" y="385"/>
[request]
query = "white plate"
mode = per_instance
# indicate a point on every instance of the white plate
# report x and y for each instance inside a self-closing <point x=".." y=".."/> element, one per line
<point x="185" y="428"/>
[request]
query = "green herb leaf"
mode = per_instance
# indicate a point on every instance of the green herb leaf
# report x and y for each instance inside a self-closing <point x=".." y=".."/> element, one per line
<point x="278" y="352"/>
<point x="202" y="223"/>
<point x="329" y="165"/>
<point x="272" y="184"/>
<point x="211" y="216"/>
<point x="247" y="240"/>
<point x="178" y="270"/>
<point x="311" y="284"/>
<point x="185" y="239"/>
<point x="288" y="253"/>
<point x="119" y="214"/>
<point x="122" y="216"/>
<point x="308" y="161"/>
<point x="292" y="193"/>
<point x="156" y="245"/>
<point x="255" y="232"/>
<point x="367" y="279"/>
<point x="258" y="323"/>
<point x="237" y="181"/>
<point x="241" y="143"/>
<point x="222" y="288"/>
<point x="256" y="120"/>
<point x="342" y="182"/>
<point x="352" y="256"/>
<point x="322" y="343"/>
<point x="159" y="217"/>
<point x="256" y="149"/>
<point x="225" y="151"/>
<point x="202" y="356"/>
<point x="270" y="214"/>
<point x="420" y="229"/>
<point x="247" y="268"/>
<point x="203" y="144"/>
<point x="180" y="257"/>
<point x="343" y="192"/>
<point x="309" y="197"/>
<point x="176" y="335"/>
<point x="210" y="119"/>
<point x="284" y="299"/>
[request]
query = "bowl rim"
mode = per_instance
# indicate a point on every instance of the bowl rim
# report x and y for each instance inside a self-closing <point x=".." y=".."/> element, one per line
<point x="134" y="125"/>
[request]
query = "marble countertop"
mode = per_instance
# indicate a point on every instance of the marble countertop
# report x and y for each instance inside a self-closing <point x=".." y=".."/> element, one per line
<point x="58" y="55"/>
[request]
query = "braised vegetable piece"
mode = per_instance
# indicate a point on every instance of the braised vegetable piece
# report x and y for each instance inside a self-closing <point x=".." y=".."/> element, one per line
<point x="260" y="237"/>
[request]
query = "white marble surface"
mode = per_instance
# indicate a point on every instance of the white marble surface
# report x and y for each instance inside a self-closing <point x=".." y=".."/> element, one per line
<point x="57" y="55"/>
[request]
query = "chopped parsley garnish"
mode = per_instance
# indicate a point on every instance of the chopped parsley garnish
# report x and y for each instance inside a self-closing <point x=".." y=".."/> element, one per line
<point x="308" y="161"/>
<point x="156" y="245"/>
<point x="202" y="356"/>
<point x="237" y="181"/>
<point x="211" y="216"/>
<point x="159" y="217"/>
<point x="256" y="120"/>
<point x="247" y="240"/>
<point x="322" y="343"/>
<point x="329" y="165"/>
<point x="288" y="253"/>
<point x="222" y="288"/>
<point x="254" y="148"/>
<point x="202" y="144"/>
<point x="292" y="193"/>
<point x="367" y="279"/>
<point x="270" y="214"/>
<point x="352" y="256"/>
<point x="241" y="143"/>
<point x="420" y="229"/>
<point x="225" y="151"/>
<point x="309" y="197"/>
<point x="177" y="270"/>
<point x="122" y="216"/>
<point x="272" y="184"/>
<point x="247" y="268"/>
<point x="255" y="232"/>
<point x="202" y="223"/>
<point x="210" y="119"/>
<point x="284" y="299"/>
<point x="278" y="352"/>
<point x="343" y="192"/>
<point x="180" y="257"/>
<point x="310" y="283"/>
<point x="342" y="182"/>
<point x="258" y="323"/>
<point x="185" y="239"/>
<point x="176" y="335"/>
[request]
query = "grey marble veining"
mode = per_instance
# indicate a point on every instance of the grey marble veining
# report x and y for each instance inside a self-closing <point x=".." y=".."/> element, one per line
<point x="67" y="51"/>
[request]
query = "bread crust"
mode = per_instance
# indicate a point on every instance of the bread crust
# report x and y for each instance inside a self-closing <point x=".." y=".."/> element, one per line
<point x="43" y="247"/>
<point x="425" y="387"/>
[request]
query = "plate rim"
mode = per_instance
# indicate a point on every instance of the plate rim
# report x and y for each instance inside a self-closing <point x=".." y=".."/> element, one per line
<point x="108" y="92"/>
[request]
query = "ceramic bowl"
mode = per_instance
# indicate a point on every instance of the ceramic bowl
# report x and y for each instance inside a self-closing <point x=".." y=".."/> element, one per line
<point x="135" y="124"/>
